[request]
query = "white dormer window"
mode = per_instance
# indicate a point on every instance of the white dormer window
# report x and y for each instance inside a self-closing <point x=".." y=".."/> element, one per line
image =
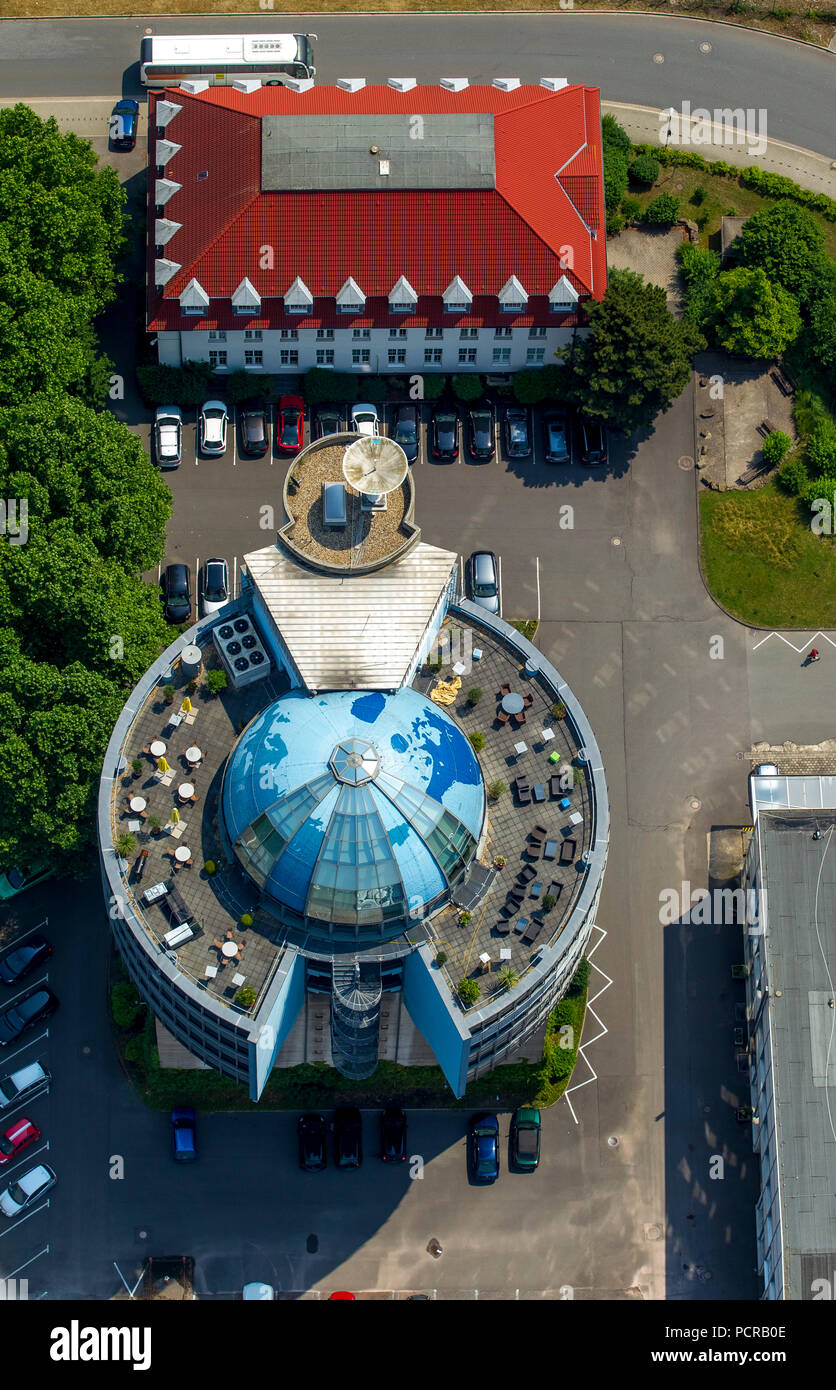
<point x="402" y="308"/>
<point x="194" y="300"/>
<point x="513" y="298"/>
<point x="457" y="297"/>
<point x="246" y="301"/>
<point x="351" y="299"/>
<point x="563" y="297"/>
<point x="402" y="298"/>
<point x="298" y="299"/>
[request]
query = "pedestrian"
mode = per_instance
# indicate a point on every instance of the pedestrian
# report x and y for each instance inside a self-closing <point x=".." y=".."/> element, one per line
<point x="814" y="655"/>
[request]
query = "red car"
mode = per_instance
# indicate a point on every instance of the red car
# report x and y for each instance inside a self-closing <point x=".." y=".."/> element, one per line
<point x="17" y="1138"/>
<point x="291" y="430"/>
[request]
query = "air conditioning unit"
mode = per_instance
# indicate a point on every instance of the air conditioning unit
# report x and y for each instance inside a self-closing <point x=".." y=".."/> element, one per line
<point x="241" y="650"/>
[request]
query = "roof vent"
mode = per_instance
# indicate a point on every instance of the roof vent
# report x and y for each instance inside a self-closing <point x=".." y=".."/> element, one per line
<point x="384" y="166"/>
<point x="374" y="149"/>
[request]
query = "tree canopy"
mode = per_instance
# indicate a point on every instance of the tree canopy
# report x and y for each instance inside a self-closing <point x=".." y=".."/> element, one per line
<point x="753" y="316"/>
<point x="637" y="358"/>
<point x="788" y="244"/>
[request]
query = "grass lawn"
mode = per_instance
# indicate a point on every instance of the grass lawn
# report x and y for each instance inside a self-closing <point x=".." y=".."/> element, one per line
<point x="725" y="197"/>
<point x="763" y="562"/>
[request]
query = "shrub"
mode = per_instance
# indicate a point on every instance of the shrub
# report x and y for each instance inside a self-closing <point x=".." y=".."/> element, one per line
<point x="474" y="695"/>
<point x="187" y="385"/>
<point x="468" y="991"/>
<point x="441" y="958"/>
<point x="242" y="386"/>
<point x="168" y="692"/>
<point x="477" y="741"/>
<point x="615" y="177"/>
<point x="530" y="387"/>
<point x="373" y="389"/>
<point x="154" y="824"/>
<point x="496" y="790"/>
<point x="135" y="1050"/>
<point x="125" y="1004"/>
<point x="244" y="997"/>
<point x="210" y="867"/>
<point x="580" y="980"/>
<point x="509" y="977"/>
<point x="246" y="919"/>
<point x="793" y="476"/>
<point x="125" y="845"/>
<point x="500" y="861"/>
<point x="435" y="384"/>
<point x="820" y="489"/>
<point x="191" y="687"/>
<point x="616" y="222"/>
<point x="631" y="209"/>
<point x="136" y="766"/>
<point x="558" y="710"/>
<point x="216" y="682"/>
<point x="699" y="195"/>
<point x="775" y="446"/>
<point x="614" y="134"/>
<point x="821" y="447"/>
<point x="548" y="902"/>
<point x="468" y="386"/>
<point x="644" y="169"/>
<point x="322" y="385"/>
<point x="722" y="167"/>
<point x="662" y="211"/>
<point x="464" y="918"/>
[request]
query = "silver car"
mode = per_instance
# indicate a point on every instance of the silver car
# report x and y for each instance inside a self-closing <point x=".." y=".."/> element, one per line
<point x="168" y="436"/>
<point x="364" y="420"/>
<point x="212" y="427"/>
<point x="26" y="1190"/>
<point x="214" y="586"/>
<point x="483" y="580"/>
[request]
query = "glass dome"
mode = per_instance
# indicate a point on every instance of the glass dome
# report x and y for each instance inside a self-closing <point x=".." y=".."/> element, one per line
<point x="353" y="810"/>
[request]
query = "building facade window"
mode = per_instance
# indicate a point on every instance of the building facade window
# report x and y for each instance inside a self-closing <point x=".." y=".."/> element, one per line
<point x="361" y="332"/>
<point x="253" y="335"/>
<point x="325" y="335"/>
<point x="432" y="356"/>
<point x="468" y="332"/>
<point x="433" y="332"/>
<point x="460" y="308"/>
<point x="502" y="354"/>
<point x="360" y="356"/>
<point x="467" y="355"/>
<point x="290" y="335"/>
<point x="535" y="355"/>
<point x="253" y="357"/>
<point x="324" y="357"/>
<point x="217" y="335"/>
<point x="217" y="359"/>
<point x="402" y="308"/>
<point x="536" y="332"/>
<point x="397" y="356"/>
<point x="288" y="357"/>
<point x="397" y="332"/>
<point x="298" y="308"/>
<point x="502" y="333"/>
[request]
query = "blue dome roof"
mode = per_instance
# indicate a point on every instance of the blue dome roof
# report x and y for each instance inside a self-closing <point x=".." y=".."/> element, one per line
<point x="354" y="809"/>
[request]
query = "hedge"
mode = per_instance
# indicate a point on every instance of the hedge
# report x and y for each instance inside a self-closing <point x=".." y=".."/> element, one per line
<point x="770" y="185"/>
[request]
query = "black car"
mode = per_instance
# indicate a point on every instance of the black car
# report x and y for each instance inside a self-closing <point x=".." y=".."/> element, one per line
<point x="176" y="590"/>
<point x="123" y="124"/>
<point x="393" y="1135"/>
<point x="483" y="1149"/>
<point x="406" y="430"/>
<point x="444" y="430"/>
<point x="593" y="443"/>
<point x="253" y="431"/>
<point x="32" y="1008"/>
<point x="327" y="420"/>
<point x="480" y="430"/>
<point x="311" y="1130"/>
<point x="20" y="961"/>
<point x="517" y="432"/>
<point x="558" y="440"/>
<point x="348" y="1137"/>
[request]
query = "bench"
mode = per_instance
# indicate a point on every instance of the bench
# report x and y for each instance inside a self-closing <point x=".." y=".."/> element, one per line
<point x="766" y="427"/>
<point x="177" y="909"/>
<point x="532" y="931"/>
<point x="567" y="852"/>
<point x="178" y="935"/>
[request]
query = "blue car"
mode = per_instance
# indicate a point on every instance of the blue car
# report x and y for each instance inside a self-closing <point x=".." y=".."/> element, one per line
<point x="123" y="124"/>
<point x="483" y="1149"/>
<point x="183" y="1140"/>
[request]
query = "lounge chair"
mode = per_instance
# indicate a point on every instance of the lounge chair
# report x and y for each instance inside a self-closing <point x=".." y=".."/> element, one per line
<point x="528" y="700"/>
<point x="516" y="894"/>
<point x="538" y="832"/>
<point x="555" y="889"/>
<point x="502" y="716"/>
<point x="503" y="928"/>
<point x="503" y="691"/>
<point x="526" y="874"/>
<point x="555" y="785"/>
<point x="532" y="931"/>
<point x="567" y="852"/>
<point x="509" y="909"/>
<point x="534" y="849"/>
<point x="519" y="719"/>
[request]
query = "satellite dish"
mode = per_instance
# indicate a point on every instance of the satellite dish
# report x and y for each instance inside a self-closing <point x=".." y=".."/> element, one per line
<point x="374" y="465"/>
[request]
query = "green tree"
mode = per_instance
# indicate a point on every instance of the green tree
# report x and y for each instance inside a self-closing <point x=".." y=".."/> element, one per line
<point x="662" y="211"/>
<point x="637" y="358"/>
<point x="126" y="1004"/>
<point x="787" y="243"/>
<point x="820" y="337"/>
<point x="46" y="342"/>
<point x="468" y="991"/>
<point x="529" y="386"/>
<point x="322" y="385"/>
<point x="614" y="134"/>
<point x="644" y="169"/>
<point x="752" y="316"/>
<point x="821" y="447"/>
<point x="467" y="386"/>
<point x="793" y="476"/>
<point x="435" y="384"/>
<point x="775" y="446"/>
<point x="615" y="177"/>
<point x="700" y="268"/>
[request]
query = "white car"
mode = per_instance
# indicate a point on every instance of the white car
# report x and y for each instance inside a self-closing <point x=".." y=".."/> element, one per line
<point x="214" y="586"/>
<point x="258" y="1293"/>
<point x="168" y="436"/>
<point x="212" y="427"/>
<point x="364" y="420"/>
<point x="26" y="1190"/>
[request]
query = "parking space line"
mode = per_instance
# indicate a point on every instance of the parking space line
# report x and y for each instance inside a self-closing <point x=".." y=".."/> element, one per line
<point x="33" y="1212"/>
<point x="196" y="426"/>
<point x="499" y="567"/>
<point x="537" y="559"/>
<point x="17" y="1271"/>
<point x="26" y="1157"/>
<point x="234" y="436"/>
<point x="234" y="576"/>
<point x="23" y="1046"/>
<point x="44" y="923"/>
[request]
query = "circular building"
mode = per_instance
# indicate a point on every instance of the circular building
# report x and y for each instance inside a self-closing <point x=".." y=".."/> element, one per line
<point x="354" y="814"/>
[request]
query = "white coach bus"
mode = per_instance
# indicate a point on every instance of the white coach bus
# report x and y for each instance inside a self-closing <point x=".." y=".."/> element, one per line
<point x="166" y="59"/>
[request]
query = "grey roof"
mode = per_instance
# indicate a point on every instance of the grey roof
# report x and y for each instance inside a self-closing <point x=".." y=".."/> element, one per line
<point x="799" y="874"/>
<point x="319" y="152"/>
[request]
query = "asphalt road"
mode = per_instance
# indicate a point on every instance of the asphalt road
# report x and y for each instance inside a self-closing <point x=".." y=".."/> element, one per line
<point x="794" y="82"/>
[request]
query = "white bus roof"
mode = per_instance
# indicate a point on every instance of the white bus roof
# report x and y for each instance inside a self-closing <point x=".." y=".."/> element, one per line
<point x="223" y="48"/>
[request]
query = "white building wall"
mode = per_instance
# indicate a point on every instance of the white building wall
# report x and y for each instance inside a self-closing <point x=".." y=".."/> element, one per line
<point x="374" y="350"/>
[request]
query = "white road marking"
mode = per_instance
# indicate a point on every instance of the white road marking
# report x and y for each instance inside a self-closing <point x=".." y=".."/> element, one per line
<point x="800" y="649"/>
<point x="234" y="576"/>
<point x="14" y="1272"/>
<point x="11" y="1056"/>
<point x="18" y="939"/>
<point x="499" y="568"/>
<point x="603" y="1027"/>
<point x="537" y="559"/>
<point x="33" y="1212"/>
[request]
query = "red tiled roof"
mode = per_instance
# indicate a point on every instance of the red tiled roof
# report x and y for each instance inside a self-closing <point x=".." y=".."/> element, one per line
<point x="547" y="203"/>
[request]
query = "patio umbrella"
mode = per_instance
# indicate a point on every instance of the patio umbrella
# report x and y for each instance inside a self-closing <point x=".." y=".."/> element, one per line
<point x="162" y="765"/>
<point x="187" y="704"/>
<point x="175" y="816"/>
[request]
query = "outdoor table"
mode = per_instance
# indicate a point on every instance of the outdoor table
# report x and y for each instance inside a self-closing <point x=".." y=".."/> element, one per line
<point x="138" y="803"/>
<point x="211" y="971"/>
<point x="536" y="889"/>
<point x="520" y="748"/>
<point x="193" y="754"/>
<point x="459" y="668"/>
<point x="134" y="826"/>
<point x="158" y="748"/>
<point x="157" y="890"/>
<point x="576" y="818"/>
<point x="485" y="959"/>
<point x="229" y="949"/>
<point x="547" y="735"/>
<point x="506" y="953"/>
<point x="550" y="849"/>
<point x="513" y="703"/>
<point x="238" y="980"/>
<point x="175" y="721"/>
<point x="538" y="791"/>
<point x="521" y="924"/>
<point x="182" y="854"/>
<point x="185" y="790"/>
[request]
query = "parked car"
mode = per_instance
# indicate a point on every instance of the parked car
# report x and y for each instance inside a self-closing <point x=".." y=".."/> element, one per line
<point x="253" y="429"/>
<point x="517" y="432"/>
<point x="406" y="426"/>
<point x="183" y="1134"/>
<point x="525" y="1138"/>
<point x="480" y="430"/>
<point x="290" y="428"/>
<point x="176" y="590"/>
<point x="556" y="426"/>
<point x="18" y="1084"/>
<point x="327" y="420"/>
<point x="20" y="960"/>
<point x="27" y="1190"/>
<point x="483" y="580"/>
<point x="214" y="585"/>
<point x="483" y="1149"/>
<point x="15" y="881"/>
<point x="24" y="1013"/>
<point x="340" y="1295"/>
<point x="348" y="1137"/>
<point x="17" y="1138"/>
<point x="168" y="436"/>
<point x="123" y="124"/>
<point x="393" y="1135"/>
<point x="260" y="1293"/>
<point x="444" y="432"/>
<point x="593" y="443"/>
<point x="364" y="419"/>
<point x="212" y="426"/>
<point x="311" y="1132"/>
